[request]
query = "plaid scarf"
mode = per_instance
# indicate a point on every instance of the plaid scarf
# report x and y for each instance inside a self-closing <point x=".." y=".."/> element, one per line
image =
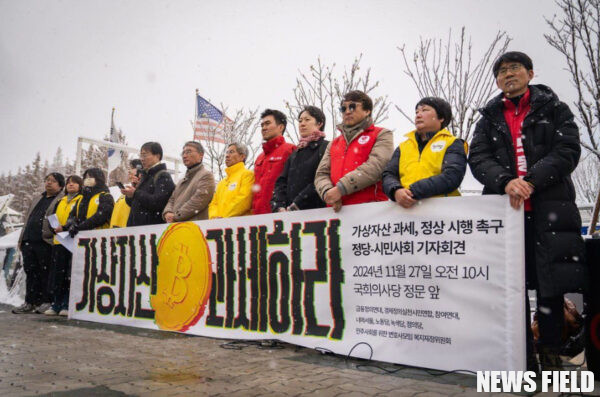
<point x="315" y="136"/>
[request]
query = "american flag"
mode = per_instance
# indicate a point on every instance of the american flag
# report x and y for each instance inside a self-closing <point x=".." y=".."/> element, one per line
<point x="210" y="122"/>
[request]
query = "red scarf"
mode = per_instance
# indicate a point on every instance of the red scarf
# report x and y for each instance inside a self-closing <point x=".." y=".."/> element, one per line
<point x="514" y="116"/>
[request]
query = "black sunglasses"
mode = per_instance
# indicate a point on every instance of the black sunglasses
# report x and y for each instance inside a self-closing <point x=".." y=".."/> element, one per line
<point x="351" y="107"/>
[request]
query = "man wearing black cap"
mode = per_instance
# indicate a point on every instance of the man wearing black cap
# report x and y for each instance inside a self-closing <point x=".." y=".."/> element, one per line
<point x="430" y="161"/>
<point x="35" y="249"/>
<point x="526" y="145"/>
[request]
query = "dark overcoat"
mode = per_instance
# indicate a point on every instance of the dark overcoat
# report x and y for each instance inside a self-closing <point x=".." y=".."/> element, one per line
<point x="552" y="149"/>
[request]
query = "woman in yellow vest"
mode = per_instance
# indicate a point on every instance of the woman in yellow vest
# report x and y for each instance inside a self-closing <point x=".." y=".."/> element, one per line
<point x="121" y="211"/>
<point x="430" y="161"/>
<point x="60" y="272"/>
<point x="96" y="205"/>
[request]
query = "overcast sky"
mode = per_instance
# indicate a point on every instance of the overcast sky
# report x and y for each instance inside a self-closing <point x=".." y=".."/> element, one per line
<point x="65" y="64"/>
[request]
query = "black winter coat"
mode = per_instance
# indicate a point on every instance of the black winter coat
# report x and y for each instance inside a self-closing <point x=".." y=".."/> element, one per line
<point x="296" y="182"/>
<point x="150" y="197"/>
<point x="551" y="145"/>
<point x="102" y="216"/>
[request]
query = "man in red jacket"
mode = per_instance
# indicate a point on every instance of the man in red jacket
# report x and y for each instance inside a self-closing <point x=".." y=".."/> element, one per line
<point x="270" y="162"/>
<point x="350" y="170"/>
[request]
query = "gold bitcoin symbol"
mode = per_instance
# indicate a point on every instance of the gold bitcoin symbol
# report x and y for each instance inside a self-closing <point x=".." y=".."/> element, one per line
<point x="184" y="277"/>
<point x="178" y="290"/>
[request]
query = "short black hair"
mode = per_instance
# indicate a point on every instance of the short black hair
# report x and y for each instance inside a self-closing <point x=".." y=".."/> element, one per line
<point x="154" y="148"/>
<point x="58" y="177"/>
<point x="359" y="96"/>
<point x="277" y="115"/>
<point x="136" y="163"/>
<point x="442" y="108"/>
<point x="316" y="113"/>
<point x="512" y="56"/>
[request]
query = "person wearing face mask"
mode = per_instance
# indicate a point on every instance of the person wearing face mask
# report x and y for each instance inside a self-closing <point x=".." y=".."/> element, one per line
<point x="95" y="208"/>
<point x="295" y="188"/>
<point x="121" y="211"/>
<point x="60" y="274"/>
<point x="350" y="171"/>
<point x="36" y="249"/>
<point x="430" y="162"/>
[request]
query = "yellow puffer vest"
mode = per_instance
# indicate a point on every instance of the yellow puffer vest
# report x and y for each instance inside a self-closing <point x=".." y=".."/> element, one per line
<point x="414" y="166"/>
<point x="120" y="213"/>
<point x="93" y="208"/>
<point x="63" y="209"/>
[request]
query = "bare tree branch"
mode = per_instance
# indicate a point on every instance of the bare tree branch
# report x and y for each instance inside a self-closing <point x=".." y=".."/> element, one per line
<point x="446" y="70"/>
<point x="323" y="88"/>
<point x="576" y="36"/>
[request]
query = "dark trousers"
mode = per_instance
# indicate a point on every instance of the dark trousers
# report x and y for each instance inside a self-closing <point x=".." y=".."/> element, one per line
<point x="550" y="313"/>
<point x="60" y="277"/>
<point x="36" y="262"/>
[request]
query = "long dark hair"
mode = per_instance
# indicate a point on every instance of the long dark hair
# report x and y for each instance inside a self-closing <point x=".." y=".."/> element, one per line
<point x="98" y="175"/>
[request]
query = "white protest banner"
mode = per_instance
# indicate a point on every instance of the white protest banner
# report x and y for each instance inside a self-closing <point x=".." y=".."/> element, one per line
<point x="440" y="285"/>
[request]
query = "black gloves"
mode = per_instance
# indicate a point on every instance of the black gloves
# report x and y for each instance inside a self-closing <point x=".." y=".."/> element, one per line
<point x="73" y="230"/>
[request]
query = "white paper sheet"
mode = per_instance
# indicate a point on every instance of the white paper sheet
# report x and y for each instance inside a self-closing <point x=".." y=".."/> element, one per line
<point x="53" y="220"/>
<point x="67" y="241"/>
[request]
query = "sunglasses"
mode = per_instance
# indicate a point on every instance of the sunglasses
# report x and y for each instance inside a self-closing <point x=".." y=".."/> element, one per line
<point x="351" y="107"/>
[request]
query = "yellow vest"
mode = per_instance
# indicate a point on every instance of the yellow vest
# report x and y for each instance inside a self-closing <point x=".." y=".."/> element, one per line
<point x="63" y="209"/>
<point x="233" y="196"/>
<point x="414" y="166"/>
<point x="120" y="213"/>
<point x="93" y="208"/>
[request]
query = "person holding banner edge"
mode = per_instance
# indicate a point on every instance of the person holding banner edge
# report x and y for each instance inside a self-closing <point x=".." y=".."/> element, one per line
<point x="189" y="201"/>
<point x="150" y="196"/>
<point x="270" y="162"/>
<point x="526" y="145"/>
<point x="350" y="170"/>
<point x="233" y="195"/>
<point x="95" y="208"/>
<point x="430" y="162"/>
<point x="295" y="188"/>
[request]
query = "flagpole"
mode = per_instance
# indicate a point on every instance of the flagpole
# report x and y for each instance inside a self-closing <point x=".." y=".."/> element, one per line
<point x="195" y="116"/>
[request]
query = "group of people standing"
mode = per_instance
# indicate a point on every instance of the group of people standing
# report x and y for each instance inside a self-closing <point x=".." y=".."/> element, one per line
<point x="525" y="145"/>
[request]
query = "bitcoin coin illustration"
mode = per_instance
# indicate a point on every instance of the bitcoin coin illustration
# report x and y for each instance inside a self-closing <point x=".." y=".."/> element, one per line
<point x="184" y="277"/>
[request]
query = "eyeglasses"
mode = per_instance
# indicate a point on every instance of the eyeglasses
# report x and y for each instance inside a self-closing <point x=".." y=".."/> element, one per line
<point x="188" y="152"/>
<point x="351" y="107"/>
<point x="513" y="68"/>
